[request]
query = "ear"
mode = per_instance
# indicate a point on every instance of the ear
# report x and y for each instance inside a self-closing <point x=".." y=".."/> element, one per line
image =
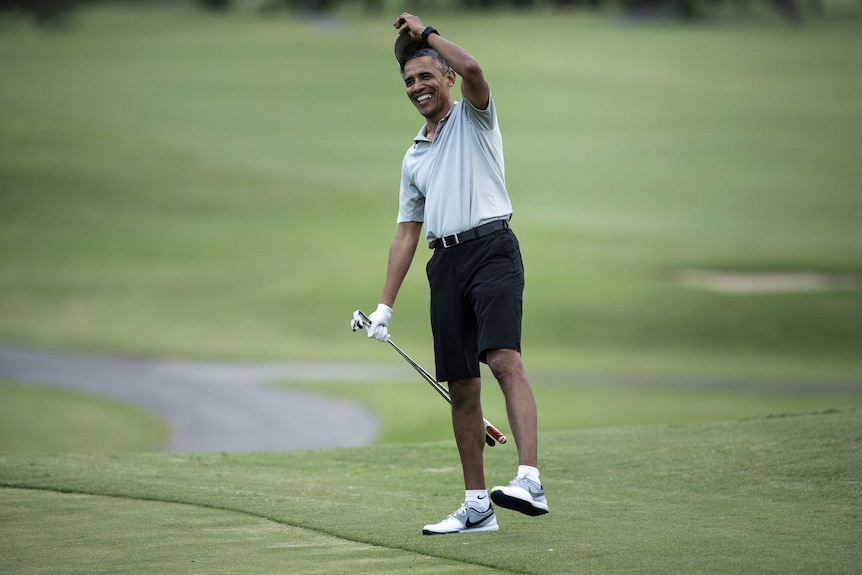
<point x="450" y="75"/>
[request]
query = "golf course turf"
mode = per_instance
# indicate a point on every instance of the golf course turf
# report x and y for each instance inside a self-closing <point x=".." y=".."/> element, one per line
<point x="180" y="184"/>
<point x="766" y="495"/>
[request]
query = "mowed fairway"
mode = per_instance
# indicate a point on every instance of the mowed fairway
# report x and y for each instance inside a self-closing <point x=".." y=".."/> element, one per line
<point x="180" y="184"/>
<point x="775" y="495"/>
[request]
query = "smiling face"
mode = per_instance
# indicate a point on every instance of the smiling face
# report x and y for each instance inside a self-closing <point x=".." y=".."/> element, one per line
<point x="428" y="87"/>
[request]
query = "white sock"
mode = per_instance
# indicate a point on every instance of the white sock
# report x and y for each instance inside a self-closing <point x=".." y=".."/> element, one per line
<point x="477" y="499"/>
<point x="530" y="473"/>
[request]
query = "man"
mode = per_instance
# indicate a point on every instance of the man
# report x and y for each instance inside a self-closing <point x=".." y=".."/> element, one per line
<point x="453" y="181"/>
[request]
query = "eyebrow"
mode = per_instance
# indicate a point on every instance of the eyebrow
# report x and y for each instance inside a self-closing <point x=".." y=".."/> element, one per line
<point x="420" y="74"/>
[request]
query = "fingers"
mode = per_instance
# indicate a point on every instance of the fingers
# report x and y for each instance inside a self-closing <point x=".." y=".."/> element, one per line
<point x="379" y="332"/>
<point x="379" y="328"/>
<point x="402" y="19"/>
<point x="377" y="324"/>
<point x="413" y="25"/>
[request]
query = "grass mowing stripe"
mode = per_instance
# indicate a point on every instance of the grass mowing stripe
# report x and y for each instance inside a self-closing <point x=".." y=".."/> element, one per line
<point x="89" y="534"/>
<point x="121" y="534"/>
<point x="770" y="495"/>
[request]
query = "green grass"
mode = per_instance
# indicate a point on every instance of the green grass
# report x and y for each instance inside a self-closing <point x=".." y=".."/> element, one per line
<point x="90" y="534"/>
<point x="56" y="420"/>
<point x="412" y="412"/>
<point x="770" y="495"/>
<point x="173" y="184"/>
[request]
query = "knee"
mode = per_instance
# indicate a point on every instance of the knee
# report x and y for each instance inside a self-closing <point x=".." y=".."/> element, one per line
<point x="465" y="393"/>
<point x="505" y="364"/>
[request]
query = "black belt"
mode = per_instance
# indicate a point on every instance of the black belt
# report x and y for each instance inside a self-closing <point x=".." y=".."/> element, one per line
<point x="469" y="235"/>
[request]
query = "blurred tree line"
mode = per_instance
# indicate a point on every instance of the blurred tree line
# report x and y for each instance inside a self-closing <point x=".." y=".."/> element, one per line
<point x="42" y="11"/>
<point x="682" y="9"/>
<point x="53" y="12"/>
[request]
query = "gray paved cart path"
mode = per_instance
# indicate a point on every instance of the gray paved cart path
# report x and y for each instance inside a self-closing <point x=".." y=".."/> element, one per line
<point x="230" y="406"/>
<point x="215" y="406"/>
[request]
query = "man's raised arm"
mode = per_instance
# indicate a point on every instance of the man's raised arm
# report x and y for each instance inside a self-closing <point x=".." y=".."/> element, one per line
<point x="474" y="87"/>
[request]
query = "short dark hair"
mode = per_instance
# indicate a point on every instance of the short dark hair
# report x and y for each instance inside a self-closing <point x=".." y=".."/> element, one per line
<point x="441" y="64"/>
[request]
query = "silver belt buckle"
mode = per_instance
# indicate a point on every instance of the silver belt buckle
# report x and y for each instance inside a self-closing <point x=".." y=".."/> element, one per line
<point x="445" y="245"/>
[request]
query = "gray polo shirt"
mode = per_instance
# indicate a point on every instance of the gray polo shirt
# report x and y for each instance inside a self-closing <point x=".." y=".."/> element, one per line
<point x="456" y="182"/>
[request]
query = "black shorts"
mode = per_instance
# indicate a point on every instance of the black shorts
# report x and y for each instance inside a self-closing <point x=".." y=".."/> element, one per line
<point x="477" y="295"/>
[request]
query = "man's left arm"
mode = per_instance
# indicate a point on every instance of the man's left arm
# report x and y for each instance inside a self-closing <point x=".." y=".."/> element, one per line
<point x="474" y="86"/>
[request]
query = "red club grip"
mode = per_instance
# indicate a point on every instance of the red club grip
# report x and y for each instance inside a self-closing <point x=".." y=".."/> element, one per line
<point x="495" y="433"/>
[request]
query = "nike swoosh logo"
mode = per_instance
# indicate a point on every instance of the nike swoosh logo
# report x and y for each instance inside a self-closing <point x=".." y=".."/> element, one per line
<point x="469" y="524"/>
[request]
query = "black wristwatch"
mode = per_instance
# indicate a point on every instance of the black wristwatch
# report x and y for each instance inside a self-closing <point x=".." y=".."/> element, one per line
<point x="427" y="32"/>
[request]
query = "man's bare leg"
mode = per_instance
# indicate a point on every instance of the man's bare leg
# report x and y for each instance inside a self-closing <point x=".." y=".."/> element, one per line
<point x="508" y="368"/>
<point x="524" y="493"/>
<point x="466" y="395"/>
<point x="476" y="513"/>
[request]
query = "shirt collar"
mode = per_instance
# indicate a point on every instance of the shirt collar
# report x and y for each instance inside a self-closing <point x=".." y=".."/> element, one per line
<point x="420" y="137"/>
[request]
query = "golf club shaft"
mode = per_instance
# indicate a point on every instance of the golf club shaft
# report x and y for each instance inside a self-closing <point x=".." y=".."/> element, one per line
<point x="491" y="432"/>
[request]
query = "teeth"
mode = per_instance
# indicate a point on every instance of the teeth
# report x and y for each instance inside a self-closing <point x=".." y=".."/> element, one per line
<point x="423" y="97"/>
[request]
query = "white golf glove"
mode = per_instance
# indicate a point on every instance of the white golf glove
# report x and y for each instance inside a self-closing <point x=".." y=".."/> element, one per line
<point x="356" y="323"/>
<point x="379" y="328"/>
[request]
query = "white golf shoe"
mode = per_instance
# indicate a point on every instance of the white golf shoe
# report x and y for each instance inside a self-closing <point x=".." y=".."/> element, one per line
<point x="464" y="520"/>
<point x="523" y="495"/>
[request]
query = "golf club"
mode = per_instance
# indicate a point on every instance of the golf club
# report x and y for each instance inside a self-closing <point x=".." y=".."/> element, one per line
<point x="492" y="434"/>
